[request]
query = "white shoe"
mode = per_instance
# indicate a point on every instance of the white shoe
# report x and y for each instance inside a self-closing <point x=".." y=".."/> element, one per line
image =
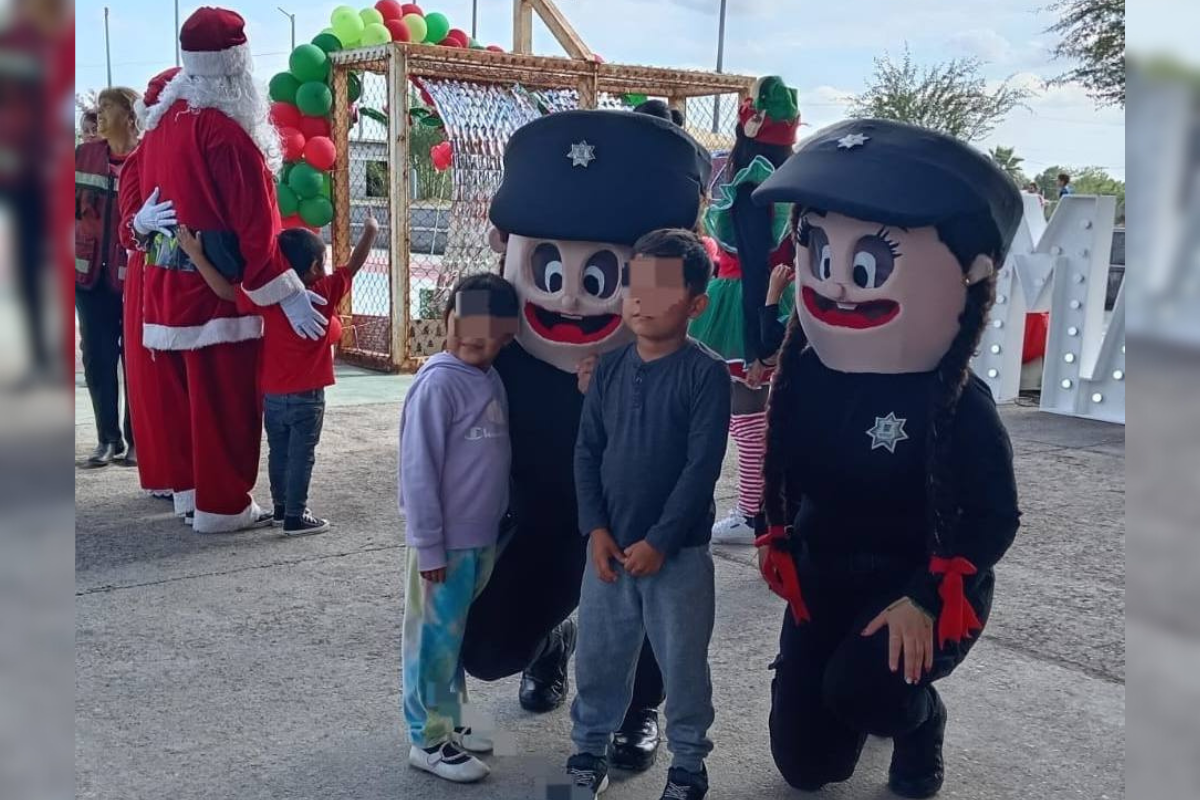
<point x="449" y="763"/>
<point x="734" y="529"/>
<point x="472" y="742"/>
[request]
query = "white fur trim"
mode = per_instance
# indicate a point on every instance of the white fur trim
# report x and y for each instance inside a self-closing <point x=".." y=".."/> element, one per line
<point x="218" y="63"/>
<point x="275" y="290"/>
<point x="208" y="522"/>
<point x="184" y="502"/>
<point x="223" y="330"/>
<point x="160" y="494"/>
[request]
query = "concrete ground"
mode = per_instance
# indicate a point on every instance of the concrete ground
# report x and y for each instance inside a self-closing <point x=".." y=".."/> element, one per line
<point x="252" y="666"/>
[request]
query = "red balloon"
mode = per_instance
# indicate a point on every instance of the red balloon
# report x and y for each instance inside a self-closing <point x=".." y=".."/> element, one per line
<point x="293" y="221"/>
<point x="320" y="152"/>
<point x="411" y="8"/>
<point x="292" y="142"/>
<point x="390" y="9"/>
<point x="495" y="48"/>
<point x="597" y="58"/>
<point x="442" y="155"/>
<point x="314" y="126"/>
<point x="285" y="115"/>
<point x="458" y="33"/>
<point x="399" y="30"/>
<point x="450" y="41"/>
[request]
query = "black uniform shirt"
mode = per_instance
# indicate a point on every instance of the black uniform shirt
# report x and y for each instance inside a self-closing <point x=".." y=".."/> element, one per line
<point x="858" y="461"/>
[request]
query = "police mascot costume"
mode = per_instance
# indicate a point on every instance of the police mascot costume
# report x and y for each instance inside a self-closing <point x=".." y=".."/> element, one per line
<point x="889" y="489"/>
<point x="579" y="188"/>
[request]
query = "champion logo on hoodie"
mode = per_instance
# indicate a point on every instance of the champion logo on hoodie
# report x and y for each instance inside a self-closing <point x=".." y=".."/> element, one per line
<point x="498" y="428"/>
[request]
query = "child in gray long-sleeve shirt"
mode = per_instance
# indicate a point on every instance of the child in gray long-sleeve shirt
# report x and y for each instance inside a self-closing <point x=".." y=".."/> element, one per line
<point x="651" y="442"/>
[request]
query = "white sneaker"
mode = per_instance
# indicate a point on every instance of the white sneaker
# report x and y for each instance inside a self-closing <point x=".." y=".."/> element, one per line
<point x="734" y="529"/>
<point x="449" y="763"/>
<point x="472" y="742"/>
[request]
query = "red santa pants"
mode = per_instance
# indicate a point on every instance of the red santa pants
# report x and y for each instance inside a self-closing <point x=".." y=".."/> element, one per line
<point x="221" y="424"/>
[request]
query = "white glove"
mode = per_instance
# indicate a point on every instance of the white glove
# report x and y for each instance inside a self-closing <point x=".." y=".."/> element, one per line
<point x="306" y="321"/>
<point x="155" y="216"/>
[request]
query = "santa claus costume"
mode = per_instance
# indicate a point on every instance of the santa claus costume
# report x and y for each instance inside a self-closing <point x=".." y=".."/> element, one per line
<point x="207" y="162"/>
<point x="154" y="400"/>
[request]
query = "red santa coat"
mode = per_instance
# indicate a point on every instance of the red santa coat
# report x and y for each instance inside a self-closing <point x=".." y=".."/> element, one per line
<point x="218" y="179"/>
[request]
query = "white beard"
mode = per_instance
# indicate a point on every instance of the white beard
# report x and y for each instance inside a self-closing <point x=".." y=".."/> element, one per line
<point x="237" y="97"/>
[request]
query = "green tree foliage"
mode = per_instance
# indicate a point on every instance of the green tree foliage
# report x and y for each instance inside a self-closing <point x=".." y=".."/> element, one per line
<point x="1007" y="159"/>
<point x="952" y="97"/>
<point x="1092" y="34"/>
<point x="1084" y="180"/>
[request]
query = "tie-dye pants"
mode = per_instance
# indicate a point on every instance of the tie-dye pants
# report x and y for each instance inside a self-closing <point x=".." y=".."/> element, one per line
<point x="435" y="616"/>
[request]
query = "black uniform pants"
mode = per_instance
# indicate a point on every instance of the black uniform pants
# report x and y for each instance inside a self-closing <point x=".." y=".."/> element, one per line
<point x="534" y="587"/>
<point x="832" y="686"/>
<point x="100" y="334"/>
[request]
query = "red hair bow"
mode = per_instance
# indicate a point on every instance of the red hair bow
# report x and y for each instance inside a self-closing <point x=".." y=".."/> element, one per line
<point x="779" y="571"/>
<point x="958" y="619"/>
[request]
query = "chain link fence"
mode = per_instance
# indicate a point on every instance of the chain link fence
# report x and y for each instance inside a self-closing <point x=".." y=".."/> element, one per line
<point x="444" y="208"/>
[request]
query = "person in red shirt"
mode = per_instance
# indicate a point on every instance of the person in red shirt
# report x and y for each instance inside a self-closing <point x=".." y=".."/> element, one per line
<point x="294" y="370"/>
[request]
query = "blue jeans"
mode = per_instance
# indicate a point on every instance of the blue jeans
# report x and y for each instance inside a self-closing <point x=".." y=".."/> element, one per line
<point x="293" y="423"/>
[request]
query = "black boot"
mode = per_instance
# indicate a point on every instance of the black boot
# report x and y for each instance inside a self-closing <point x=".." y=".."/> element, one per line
<point x="917" y="769"/>
<point x="104" y="455"/>
<point x="635" y="745"/>
<point x="545" y="682"/>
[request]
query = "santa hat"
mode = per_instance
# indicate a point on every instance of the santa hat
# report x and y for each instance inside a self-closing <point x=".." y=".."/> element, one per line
<point x="770" y="114"/>
<point x="159" y="82"/>
<point x="213" y="43"/>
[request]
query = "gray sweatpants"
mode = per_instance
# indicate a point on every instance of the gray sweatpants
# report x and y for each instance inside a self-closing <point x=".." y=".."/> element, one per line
<point x="675" y="609"/>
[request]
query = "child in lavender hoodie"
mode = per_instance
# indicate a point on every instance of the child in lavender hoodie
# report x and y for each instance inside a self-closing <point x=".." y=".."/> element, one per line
<point x="454" y="467"/>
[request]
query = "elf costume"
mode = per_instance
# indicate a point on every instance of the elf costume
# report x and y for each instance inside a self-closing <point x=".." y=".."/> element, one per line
<point x="752" y="240"/>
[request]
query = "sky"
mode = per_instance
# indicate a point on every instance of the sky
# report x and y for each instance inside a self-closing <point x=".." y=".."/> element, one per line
<point x="825" y="50"/>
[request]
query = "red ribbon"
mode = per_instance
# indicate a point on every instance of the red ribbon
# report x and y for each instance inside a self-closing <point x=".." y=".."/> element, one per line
<point x="958" y="619"/>
<point x="779" y="571"/>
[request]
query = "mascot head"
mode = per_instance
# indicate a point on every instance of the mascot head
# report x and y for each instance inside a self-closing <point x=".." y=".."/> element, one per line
<point x="579" y="188"/>
<point x="899" y="231"/>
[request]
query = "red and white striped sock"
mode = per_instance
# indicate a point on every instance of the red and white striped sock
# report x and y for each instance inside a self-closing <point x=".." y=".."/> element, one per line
<point x="749" y="432"/>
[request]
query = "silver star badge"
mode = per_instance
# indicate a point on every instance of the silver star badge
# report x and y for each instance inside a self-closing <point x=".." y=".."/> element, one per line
<point x="852" y="140"/>
<point x="888" y="431"/>
<point x="582" y="154"/>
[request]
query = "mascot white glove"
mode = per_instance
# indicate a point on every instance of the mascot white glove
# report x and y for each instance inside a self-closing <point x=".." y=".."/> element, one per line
<point x="306" y="321"/>
<point x="155" y="216"/>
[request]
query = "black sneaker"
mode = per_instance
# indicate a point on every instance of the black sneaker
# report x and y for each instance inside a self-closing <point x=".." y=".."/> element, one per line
<point x="278" y="516"/>
<point x="546" y="682"/>
<point x="305" y="525"/>
<point x="588" y="772"/>
<point x="685" y="785"/>
<point x="917" y="770"/>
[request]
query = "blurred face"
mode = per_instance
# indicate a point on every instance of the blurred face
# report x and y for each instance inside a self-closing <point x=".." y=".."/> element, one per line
<point x="87" y="130"/>
<point x="113" y="120"/>
<point x="874" y="298"/>
<point x="657" y="305"/>
<point x="476" y="339"/>
<point x="570" y="297"/>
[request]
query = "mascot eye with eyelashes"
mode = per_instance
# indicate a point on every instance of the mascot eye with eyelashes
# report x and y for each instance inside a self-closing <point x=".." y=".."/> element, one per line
<point x="874" y="259"/>
<point x="819" y="251"/>
<point x="602" y="274"/>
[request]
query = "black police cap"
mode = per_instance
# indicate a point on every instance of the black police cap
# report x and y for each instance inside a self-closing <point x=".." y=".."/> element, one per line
<point x="896" y="174"/>
<point x="600" y="176"/>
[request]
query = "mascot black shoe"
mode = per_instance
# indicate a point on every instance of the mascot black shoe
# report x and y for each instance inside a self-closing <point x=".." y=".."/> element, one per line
<point x="545" y="683"/>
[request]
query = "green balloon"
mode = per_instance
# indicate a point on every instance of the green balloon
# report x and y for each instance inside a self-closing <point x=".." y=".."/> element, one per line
<point x="416" y="27"/>
<point x="288" y="202"/>
<point x="286" y="172"/>
<point x="282" y="88"/>
<point x="328" y="42"/>
<point x="375" y="34"/>
<point x="327" y="185"/>
<point x="371" y="15"/>
<point x="354" y="86"/>
<point x="316" y="211"/>
<point x="347" y="27"/>
<point x="437" y="25"/>
<point x="309" y="63"/>
<point x="305" y="181"/>
<point x="474" y="45"/>
<point x="314" y="99"/>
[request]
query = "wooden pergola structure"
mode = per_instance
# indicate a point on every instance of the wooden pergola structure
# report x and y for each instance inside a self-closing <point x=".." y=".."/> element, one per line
<point x="400" y="62"/>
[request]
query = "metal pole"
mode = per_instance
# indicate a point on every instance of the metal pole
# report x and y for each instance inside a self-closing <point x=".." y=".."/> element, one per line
<point x="177" y="61"/>
<point x="291" y="17"/>
<point x="716" y="124"/>
<point x="474" y="19"/>
<point x="107" y="47"/>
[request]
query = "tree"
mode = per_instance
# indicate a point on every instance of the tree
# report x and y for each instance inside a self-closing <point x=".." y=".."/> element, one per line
<point x="1007" y="159"/>
<point x="1092" y="33"/>
<point x="951" y="97"/>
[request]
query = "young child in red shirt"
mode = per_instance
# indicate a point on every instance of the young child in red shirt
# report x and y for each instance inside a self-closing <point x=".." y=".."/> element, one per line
<point x="295" y="370"/>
